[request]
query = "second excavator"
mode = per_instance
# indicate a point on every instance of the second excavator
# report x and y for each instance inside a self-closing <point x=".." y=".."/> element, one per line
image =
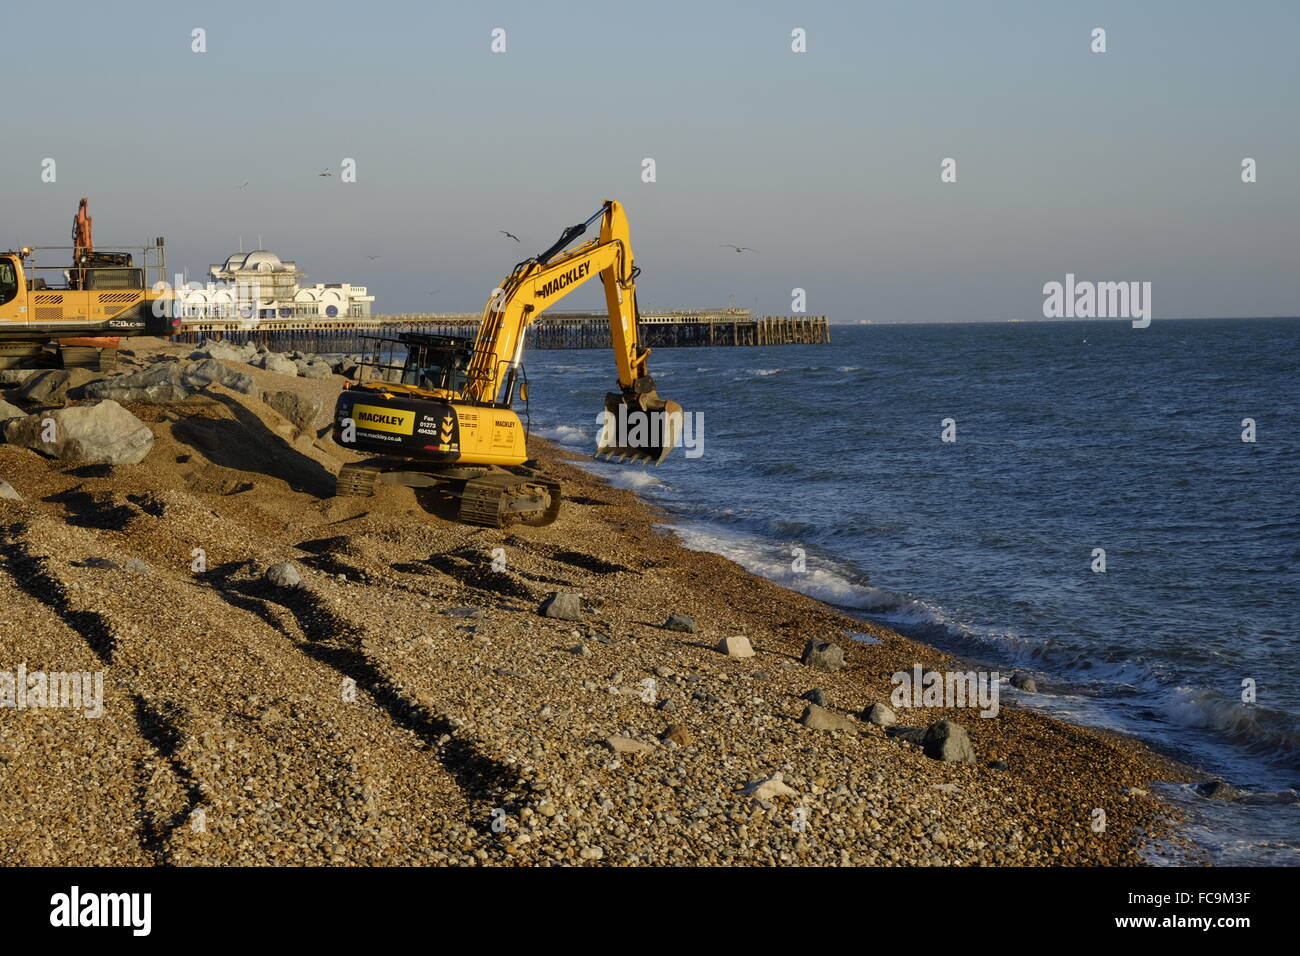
<point x="443" y="421"/>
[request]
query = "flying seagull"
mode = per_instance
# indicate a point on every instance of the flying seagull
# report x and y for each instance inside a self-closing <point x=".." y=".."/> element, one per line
<point x="510" y="234"/>
<point x="328" y="172"/>
<point x="739" y="249"/>
<point x="372" y="258"/>
<point x="245" y="184"/>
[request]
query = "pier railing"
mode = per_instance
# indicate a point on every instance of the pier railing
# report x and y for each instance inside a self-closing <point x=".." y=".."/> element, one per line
<point x="561" y="330"/>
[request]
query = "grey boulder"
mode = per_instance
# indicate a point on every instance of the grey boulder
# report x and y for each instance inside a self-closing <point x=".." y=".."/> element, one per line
<point x="275" y="362"/>
<point x="680" y="622"/>
<point x="947" y="741"/>
<point x="284" y="575"/>
<point x="1023" y="682"/>
<point x="295" y="408"/>
<point x="168" y="382"/>
<point x="823" y="655"/>
<point x="315" y="368"/>
<point x="56" y="386"/>
<point x="209" y="349"/>
<point x="819" y="718"/>
<point x="561" y="605"/>
<point x="102" y="433"/>
<point x="880" y="715"/>
<point x="1217" y="790"/>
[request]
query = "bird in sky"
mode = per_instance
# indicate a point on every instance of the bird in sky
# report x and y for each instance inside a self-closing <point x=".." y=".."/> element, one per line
<point x="372" y="258"/>
<point x="510" y="234"/>
<point x="739" y="249"/>
<point x="328" y="172"/>
<point x="434" y="292"/>
<point x="245" y="184"/>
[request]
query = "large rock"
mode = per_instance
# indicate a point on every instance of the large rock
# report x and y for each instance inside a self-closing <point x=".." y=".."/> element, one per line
<point x="627" y="745"/>
<point x="209" y="349"/>
<point x="1218" y="790"/>
<point x="880" y="715"/>
<point x="158" y="383"/>
<point x="736" y="646"/>
<point x="53" y="387"/>
<point x="210" y="372"/>
<point x="7" y="491"/>
<point x="298" y="409"/>
<point x="769" y="787"/>
<point x="819" y="718"/>
<point x="315" y="368"/>
<point x="16" y="376"/>
<point x="168" y="382"/>
<point x="284" y="575"/>
<point x="275" y="362"/>
<point x="680" y="622"/>
<point x="561" y="605"/>
<point x="103" y="433"/>
<point x="1024" y="682"/>
<point x="823" y="655"/>
<point x="947" y="741"/>
<point x="8" y="411"/>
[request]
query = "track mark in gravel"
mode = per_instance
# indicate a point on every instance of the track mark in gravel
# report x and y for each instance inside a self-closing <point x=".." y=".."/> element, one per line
<point x="479" y="777"/>
<point x="473" y="571"/>
<point x="589" y="562"/>
<point x="161" y="733"/>
<point x="316" y="621"/>
<point x="581" y="560"/>
<point x="330" y="564"/>
<point x="218" y="579"/>
<point x="30" y="574"/>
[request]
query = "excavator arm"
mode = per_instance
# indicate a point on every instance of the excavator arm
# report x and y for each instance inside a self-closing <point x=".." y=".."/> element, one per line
<point x="538" y="283"/>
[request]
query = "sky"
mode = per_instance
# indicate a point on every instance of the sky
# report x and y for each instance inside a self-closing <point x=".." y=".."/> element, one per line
<point x="1115" y="166"/>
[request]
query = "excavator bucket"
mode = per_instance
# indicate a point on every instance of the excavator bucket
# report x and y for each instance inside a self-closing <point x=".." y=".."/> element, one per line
<point x="638" y="428"/>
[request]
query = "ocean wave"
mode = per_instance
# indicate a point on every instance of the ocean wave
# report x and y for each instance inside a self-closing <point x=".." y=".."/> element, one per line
<point x="840" y="584"/>
<point x="569" y="435"/>
<point x="1268" y="732"/>
<point x="633" y="479"/>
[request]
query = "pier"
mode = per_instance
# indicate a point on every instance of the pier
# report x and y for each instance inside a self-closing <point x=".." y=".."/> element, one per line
<point x="558" y="330"/>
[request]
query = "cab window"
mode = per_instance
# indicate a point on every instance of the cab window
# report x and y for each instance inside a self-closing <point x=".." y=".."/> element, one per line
<point x="8" y="281"/>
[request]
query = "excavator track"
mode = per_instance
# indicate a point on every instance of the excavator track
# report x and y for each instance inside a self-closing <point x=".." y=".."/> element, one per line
<point x="356" y="481"/>
<point x="81" y="356"/>
<point x="498" y="499"/>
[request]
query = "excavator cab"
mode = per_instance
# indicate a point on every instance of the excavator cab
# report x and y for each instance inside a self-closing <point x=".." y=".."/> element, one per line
<point x="435" y="362"/>
<point x="8" y="279"/>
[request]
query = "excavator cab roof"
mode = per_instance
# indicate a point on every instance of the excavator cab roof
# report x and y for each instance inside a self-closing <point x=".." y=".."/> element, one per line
<point x="419" y="360"/>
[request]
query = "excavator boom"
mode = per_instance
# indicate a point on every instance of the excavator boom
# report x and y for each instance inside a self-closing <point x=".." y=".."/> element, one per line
<point x="538" y="283"/>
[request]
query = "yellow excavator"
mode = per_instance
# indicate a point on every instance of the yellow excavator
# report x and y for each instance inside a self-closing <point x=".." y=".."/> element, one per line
<point x="443" y="422"/>
<point x="56" y="315"/>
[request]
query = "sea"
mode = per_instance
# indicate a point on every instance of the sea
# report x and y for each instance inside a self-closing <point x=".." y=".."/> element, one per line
<point x="1109" y="510"/>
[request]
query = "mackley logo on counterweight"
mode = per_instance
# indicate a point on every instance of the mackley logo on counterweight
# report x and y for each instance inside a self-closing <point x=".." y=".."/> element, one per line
<point x="384" y="419"/>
